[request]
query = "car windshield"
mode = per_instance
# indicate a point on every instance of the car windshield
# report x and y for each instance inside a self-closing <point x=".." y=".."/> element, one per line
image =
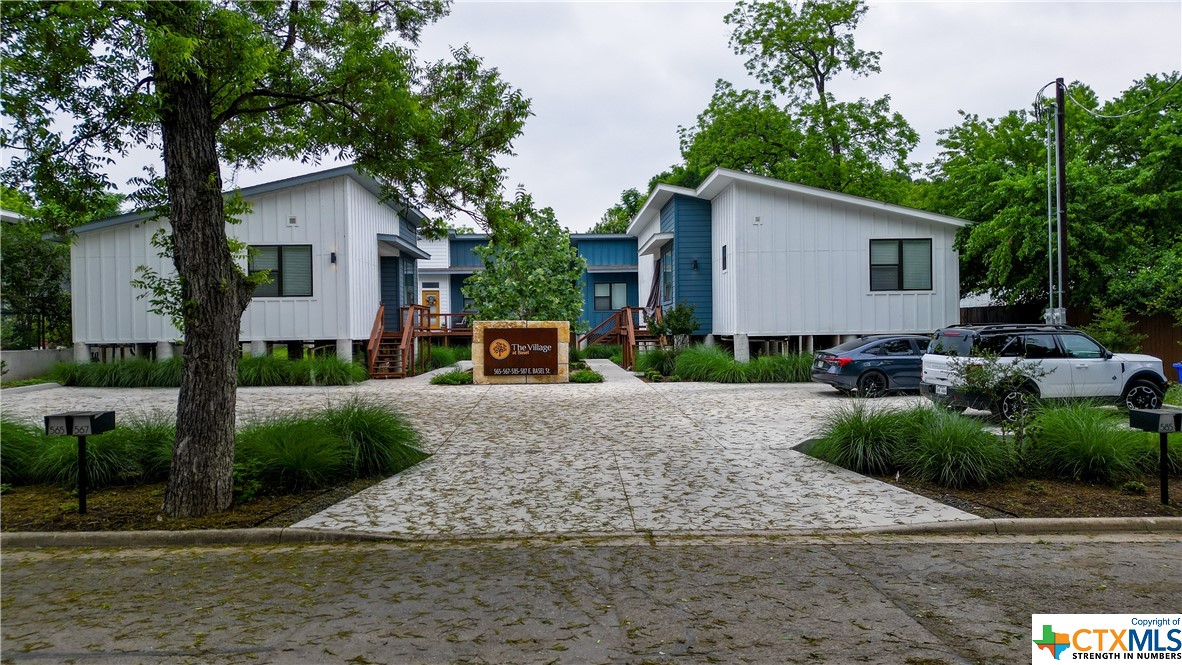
<point x="953" y="343"/>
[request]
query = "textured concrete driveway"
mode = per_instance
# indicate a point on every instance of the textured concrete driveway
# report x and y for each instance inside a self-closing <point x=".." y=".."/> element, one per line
<point x="619" y="457"/>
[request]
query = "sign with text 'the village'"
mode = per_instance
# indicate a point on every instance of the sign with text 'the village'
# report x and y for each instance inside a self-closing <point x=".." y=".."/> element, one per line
<point x="520" y="351"/>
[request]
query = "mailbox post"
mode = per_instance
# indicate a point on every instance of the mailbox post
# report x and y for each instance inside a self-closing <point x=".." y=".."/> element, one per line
<point x="80" y="424"/>
<point x="1164" y="422"/>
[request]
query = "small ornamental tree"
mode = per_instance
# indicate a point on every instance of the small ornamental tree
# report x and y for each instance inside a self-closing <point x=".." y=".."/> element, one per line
<point x="531" y="271"/>
<point x="679" y="322"/>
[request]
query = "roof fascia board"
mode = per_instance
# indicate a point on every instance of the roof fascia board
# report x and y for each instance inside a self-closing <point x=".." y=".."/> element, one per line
<point x="369" y="184"/>
<point x="653" y="204"/>
<point x="719" y="178"/>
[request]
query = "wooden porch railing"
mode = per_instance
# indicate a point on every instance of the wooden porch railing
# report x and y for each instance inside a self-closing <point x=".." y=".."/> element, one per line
<point x="375" y="337"/>
<point x="412" y="318"/>
<point x="626" y="327"/>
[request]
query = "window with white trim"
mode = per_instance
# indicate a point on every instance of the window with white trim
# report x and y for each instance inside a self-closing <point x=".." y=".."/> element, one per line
<point x="289" y="268"/>
<point x="901" y="264"/>
<point x="610" y="296"/>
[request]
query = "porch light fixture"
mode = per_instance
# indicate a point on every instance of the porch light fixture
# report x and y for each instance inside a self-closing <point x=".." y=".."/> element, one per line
<point x="695" y="264"/>
<point x="332" y="257"/>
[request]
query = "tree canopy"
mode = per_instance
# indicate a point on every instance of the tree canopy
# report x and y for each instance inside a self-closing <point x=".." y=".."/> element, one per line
<point x="1124" y="199"/>
<point x="531" y="270"/>
<point x="617" y="217"/>
<point x="207" y="82"/>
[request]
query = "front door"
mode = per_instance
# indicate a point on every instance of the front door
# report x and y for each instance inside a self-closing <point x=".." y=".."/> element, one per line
<point x="391" y="282"/>
<point x="431" y="300"/>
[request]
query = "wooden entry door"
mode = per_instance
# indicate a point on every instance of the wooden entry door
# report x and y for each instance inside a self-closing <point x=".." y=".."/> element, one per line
<point x="431" y="300"/>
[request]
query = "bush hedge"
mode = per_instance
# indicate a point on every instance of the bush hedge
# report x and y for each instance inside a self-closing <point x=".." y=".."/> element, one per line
<point x="586" y="376"/>
<point x="714" y="363"/>
<point x="268" y="370"/>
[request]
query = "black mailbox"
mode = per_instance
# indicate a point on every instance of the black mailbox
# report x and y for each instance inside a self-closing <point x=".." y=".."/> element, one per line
<point x="79" y="423"/>
<point x="1163" y="422"/>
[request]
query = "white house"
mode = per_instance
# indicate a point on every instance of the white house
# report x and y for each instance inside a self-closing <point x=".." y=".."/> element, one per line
<point x="335" y="247"/>
<point x="772" y="262"/>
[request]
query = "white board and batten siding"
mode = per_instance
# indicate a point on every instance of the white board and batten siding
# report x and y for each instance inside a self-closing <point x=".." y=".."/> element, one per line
<point x="368" y="217"/>
<point x="804" y="267"/>
<point x="332" y="215"/>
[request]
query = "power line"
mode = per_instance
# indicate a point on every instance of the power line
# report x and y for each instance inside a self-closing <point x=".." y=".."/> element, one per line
<point x="1123" y="115"/>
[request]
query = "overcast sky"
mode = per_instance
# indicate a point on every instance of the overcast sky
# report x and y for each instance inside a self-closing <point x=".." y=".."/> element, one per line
<point x="611" y="81"/>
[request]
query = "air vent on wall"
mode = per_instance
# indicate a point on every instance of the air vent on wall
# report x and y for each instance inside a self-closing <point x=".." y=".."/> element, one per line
<point x="293" y="221"/>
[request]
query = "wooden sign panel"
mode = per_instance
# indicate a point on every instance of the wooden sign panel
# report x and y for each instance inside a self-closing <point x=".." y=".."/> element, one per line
<point x="520" y="351"/>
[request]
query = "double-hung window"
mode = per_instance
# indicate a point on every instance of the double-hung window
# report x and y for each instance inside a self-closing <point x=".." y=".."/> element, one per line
<point x="610" y="296"/>
<point x="289" y="268"/>
<point x="901" y="265"/>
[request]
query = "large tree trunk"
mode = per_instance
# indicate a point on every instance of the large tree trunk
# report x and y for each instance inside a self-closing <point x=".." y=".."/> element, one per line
<point x="215" y="295"/>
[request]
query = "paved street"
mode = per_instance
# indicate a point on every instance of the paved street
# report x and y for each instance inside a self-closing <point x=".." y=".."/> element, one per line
<point x="798" y="600"/>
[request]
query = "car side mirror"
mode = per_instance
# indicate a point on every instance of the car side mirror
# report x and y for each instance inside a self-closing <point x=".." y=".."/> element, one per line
<point x="1107" y="354"/>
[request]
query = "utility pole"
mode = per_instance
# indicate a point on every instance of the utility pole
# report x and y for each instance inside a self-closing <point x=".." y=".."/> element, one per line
<point x="1061" y="167"/>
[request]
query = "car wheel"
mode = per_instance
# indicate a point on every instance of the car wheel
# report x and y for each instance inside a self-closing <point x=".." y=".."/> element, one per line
<point x="1143" y="395"/>
<point x="872" y="384"/>
<point x="1014" y="405"/>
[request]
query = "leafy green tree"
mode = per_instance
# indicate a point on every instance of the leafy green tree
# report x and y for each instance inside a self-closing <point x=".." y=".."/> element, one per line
<point x="678" y="321"/>
<point x="617" y="217"/>
<point x="1124" y="200"/>
<point x="796" y="128"/>
<point x="213" y="81"/>
<point x="531" y="271"/>
<point x="34" y="273"/>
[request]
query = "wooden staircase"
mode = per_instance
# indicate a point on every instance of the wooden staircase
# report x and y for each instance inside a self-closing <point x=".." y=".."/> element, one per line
<point x="388" y="361"/>
<point x="628" y="328"/>
<point x="391" y="354"/>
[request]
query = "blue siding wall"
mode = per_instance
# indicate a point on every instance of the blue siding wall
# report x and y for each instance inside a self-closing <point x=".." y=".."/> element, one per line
<point x="691" y="242"/>
<point x="591" y="317"/>
<point x="607" y="250"/>
<point x="407" y="231"/>
<point x="461" y="251"/>
<point x="667" y="215"/>
<point x="457" y="293"/>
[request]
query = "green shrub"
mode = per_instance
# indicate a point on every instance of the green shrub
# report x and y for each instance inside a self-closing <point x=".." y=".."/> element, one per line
<point x="377" y="440"/>
<point x="149" y="439"/>
<point x="955" y="451"/>
<point x="293" y="453"/>
<point x="789" y="368"/>
<point x="445" y="356"/>
<point x="1149" y="453"/>
<point x="617" y="359"/>
<point x="166" y="373"/>
<point x="586" y="376"/>
<point x="862" y="438"/>
<point x="20" y="444"/>
<point x="660" y="360"/>
<point x="1112" y="328"/>
<point x="455" y="377"/>
<point x="601" y="351"/>
<point x="1078" y="441"/>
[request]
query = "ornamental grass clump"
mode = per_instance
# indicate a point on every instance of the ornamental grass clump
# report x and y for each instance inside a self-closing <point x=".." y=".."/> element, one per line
<point x="954" y="451"/>
<point x="377" y="441"/>
<point x="787" y="368"/>
<point x="263" y="371"/>
<point x="1079" y="441"/>
<point x="20" y="445"/>
<point x="660" y="360"/>
<point x="324" y="370"/>
<point x="703" y="363"/>
<point x="862" y="438"/>
<point x="292" y="453"/>
<point x="601" y="351"/>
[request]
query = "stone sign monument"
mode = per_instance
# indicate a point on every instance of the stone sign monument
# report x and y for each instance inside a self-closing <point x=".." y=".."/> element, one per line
<point x="520" y="352"/>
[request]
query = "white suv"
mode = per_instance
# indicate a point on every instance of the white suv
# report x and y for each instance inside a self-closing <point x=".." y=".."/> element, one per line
<point x="1073" y="366"/>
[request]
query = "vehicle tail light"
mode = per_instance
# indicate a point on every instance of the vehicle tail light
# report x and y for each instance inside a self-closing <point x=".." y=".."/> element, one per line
<point x="841" y="362"/>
